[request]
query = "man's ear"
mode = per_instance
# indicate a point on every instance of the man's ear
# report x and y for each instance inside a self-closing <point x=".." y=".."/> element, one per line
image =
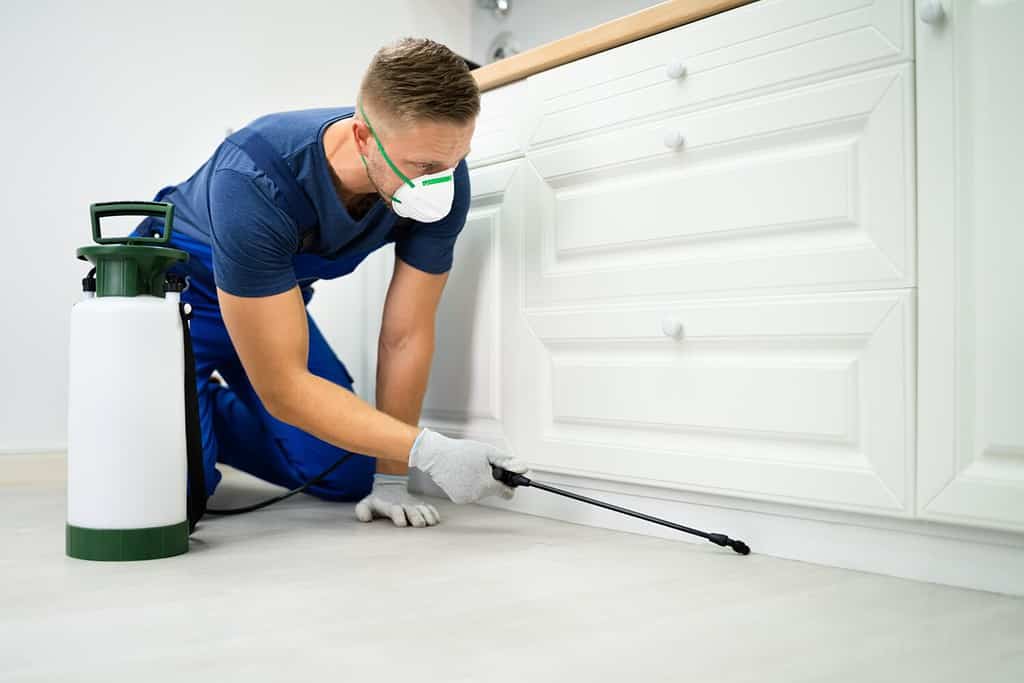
<point x="361" y="134"/>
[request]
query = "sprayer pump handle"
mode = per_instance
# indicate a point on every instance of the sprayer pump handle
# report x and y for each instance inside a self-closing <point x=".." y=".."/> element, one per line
<point x="164" y="210"/>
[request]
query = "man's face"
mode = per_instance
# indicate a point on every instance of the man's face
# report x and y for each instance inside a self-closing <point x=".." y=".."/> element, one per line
<point x="415" y="149"/>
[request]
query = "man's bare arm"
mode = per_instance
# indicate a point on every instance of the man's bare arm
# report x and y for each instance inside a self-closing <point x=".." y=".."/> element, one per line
<point x="271" y="337"/>
<point x="405" y="349"/>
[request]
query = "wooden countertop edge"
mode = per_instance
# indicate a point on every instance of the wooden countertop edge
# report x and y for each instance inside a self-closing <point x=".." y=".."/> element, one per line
<point x="646" y="22"/>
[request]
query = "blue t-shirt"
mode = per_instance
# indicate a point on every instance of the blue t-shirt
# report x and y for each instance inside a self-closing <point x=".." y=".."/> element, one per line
<point x="229" y="204"/>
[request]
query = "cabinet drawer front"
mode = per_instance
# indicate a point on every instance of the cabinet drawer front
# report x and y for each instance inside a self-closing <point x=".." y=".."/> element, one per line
<point x="766" y="44"/>
<point x="806" y="400"/>
<point x="501" y="125"/>
<point x="807" y="189"/>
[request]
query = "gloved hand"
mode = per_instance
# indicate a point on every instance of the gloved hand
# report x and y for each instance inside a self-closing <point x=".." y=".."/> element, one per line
<point x="390" y="498"/>
<point x="461" y="467"/>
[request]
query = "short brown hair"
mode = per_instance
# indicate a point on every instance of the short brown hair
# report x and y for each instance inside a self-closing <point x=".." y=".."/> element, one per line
<point x="417" y="79"/>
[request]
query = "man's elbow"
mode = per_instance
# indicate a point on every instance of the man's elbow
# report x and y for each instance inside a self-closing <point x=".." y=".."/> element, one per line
<point x="282" y="398"/>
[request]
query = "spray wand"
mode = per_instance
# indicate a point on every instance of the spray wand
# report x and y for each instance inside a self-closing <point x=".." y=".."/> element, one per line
<point x="512" y="479"/>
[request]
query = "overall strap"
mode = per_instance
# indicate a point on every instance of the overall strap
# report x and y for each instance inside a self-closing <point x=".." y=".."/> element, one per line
<point x="293" y="199"/>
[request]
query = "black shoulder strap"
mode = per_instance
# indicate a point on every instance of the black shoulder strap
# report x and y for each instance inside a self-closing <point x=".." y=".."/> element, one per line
<point x="196" y="503"/>
<point x="294" y="200"/>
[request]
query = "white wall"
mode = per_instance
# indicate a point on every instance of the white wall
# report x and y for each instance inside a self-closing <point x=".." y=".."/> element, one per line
<point x="535" y="22"/>
<point x="113" y="100"/>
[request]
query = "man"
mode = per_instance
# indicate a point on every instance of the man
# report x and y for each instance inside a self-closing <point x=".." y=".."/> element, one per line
<point x="304" y="195"/>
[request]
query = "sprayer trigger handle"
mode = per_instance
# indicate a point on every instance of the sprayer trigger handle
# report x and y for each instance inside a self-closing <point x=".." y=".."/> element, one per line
<point x="509" y="478"/>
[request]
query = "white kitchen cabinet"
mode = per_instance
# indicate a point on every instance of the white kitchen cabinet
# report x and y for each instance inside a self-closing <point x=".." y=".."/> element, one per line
<point x="971" y="224"/>
<point x="774" y="232"/>
<point x="767" y="264"/>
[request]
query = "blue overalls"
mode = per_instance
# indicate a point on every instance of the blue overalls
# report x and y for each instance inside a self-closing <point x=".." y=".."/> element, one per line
<point x="236" y="428"/>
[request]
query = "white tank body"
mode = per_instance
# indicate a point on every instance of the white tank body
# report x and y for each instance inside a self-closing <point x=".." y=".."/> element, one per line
<point x="126" y="413"/>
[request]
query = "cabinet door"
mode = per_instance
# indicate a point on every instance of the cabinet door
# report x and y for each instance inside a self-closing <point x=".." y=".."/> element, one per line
<point x="971" y="204"/>
<point x="463" y="396"/>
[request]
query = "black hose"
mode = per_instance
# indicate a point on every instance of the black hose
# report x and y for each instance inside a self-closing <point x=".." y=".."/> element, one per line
<point x="283" y="496"/>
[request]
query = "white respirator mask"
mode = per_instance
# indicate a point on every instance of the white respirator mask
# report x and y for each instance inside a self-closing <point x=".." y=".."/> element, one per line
<point x="426" y="198"/>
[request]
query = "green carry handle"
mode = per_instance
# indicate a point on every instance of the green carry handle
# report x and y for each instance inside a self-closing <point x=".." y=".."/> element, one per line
<point x="157" y="209"/>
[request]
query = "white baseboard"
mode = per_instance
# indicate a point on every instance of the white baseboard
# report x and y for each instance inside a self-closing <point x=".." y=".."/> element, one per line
<point x="34" y="448"/>
<point x="979" y="559"/>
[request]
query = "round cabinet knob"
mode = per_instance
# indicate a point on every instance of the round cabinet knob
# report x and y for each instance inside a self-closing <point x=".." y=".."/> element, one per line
<point x="932" y="11"/>
<point x="673" y="139"/>
<point x="672" y="327"/>
<point x="675" y="69"/>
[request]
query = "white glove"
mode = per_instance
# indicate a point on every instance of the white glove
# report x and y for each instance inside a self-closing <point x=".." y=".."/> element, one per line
<point x="461" y="467"/>
<point x="390" y="498"/>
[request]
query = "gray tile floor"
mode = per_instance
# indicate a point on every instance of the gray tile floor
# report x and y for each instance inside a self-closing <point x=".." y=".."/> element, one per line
<point x="304" y="591"/>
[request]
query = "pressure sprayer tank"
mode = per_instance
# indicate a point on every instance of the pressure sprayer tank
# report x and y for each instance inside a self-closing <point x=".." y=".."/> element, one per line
<point x="126" y="488"/>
